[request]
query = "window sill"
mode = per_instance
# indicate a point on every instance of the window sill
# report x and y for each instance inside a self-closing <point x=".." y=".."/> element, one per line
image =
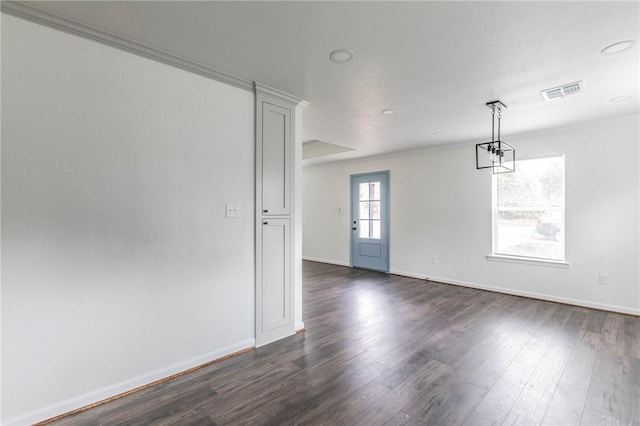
<point x="528" y="261"/>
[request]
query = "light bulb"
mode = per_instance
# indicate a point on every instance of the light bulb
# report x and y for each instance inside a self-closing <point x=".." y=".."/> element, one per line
<point x="489" y="155"/>
<point x="494" y="152"/>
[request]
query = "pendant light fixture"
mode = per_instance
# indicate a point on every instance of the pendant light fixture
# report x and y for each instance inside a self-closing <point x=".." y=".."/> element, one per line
<point x="496" y="156"/>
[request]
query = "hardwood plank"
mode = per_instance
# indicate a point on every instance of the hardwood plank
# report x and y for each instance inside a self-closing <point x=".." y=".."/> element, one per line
<point x="594" y="418"/>
<point x="516" y="420"/>
<point x="613" y="390"/>
<point x="505" y="397"/>
<point x="567" y="404"/>
<point x="631" y="374"/>
<point x="496" y="405"/>
<point x="541" y="386"/>
<point x="346" y="409"/>
<point x="387" y="350"/>
<point x="403" y="419"/>
<point x="454" y="405"/>
<point x="405" y="396"/>
<point x="496" y="365"/>
<point x="632" y="337"/>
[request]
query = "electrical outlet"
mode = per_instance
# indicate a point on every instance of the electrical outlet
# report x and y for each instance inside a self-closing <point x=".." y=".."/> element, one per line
<point x="603" y="278"/>
<point x="232" y="211"/>
<point x="434" y="259"/>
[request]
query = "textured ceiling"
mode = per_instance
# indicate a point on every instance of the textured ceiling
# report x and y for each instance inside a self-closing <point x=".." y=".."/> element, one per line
<point x="435" y="63"/>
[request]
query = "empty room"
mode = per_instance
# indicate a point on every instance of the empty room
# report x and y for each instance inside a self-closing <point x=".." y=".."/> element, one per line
<point x="320" y="212"/>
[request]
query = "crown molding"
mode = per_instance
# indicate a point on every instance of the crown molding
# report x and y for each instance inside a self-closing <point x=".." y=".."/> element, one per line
<point x="29" y="13"/>
<point x="263" y="90"/>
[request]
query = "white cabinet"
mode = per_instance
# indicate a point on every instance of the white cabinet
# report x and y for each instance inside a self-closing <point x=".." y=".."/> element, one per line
<point x="275" y="215"/>
<point x="273" y="157"/>
<point x="274" y="294"/>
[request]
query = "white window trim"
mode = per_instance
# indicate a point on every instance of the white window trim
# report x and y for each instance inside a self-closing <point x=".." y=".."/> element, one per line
<point x="529" y="261"/>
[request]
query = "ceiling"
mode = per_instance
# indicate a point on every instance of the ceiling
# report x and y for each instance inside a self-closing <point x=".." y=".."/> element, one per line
<point x="435" y="63"/>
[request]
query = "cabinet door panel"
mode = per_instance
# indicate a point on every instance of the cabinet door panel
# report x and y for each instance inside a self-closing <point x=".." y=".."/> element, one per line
<point x="273" y="290"/>
<point x="276" y="159"/>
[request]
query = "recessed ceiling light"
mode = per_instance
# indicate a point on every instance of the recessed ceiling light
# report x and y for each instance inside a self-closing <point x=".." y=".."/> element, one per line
<point x="388" y="111"/>
<point x="618" y="47"/>
<point x="438" y="133"/>
<point x="620" y="99"/>
<point x="341" y="55"/>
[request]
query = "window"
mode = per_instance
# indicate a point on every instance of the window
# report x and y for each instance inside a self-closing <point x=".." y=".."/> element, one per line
<point x="528" y="210"/>
<point x="369" y="197"/>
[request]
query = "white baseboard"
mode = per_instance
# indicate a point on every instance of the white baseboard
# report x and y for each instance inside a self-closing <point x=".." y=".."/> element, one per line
<point x="532" y="295"/>
<point x="408" y="274"/>
<point x="331" y="262"/>
<point x="98" y="395"/>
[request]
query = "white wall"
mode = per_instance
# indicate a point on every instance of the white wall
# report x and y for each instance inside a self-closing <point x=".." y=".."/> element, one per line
<point x="441" y="206"/>
<point x="118" y="266"/>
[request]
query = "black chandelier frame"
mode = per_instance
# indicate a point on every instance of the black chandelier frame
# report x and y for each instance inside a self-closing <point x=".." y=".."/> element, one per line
<point x="496" y="155"/>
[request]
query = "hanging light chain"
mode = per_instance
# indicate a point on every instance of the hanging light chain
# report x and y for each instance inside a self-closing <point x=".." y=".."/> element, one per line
<point x="493" y="123"/>
<point x="500" y="156"/>
<point x="497" y="154"/>
<point x="499" y="117"/>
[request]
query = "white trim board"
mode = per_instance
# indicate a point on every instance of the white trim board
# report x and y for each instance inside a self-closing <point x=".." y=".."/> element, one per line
<point x="330" y="262"/>
<point x="30" y="13"/>
<point x="531" y="295"/>
<point x="530" y="262"/>
<point x="71" y="404"/>
<point x="261" y="89"/>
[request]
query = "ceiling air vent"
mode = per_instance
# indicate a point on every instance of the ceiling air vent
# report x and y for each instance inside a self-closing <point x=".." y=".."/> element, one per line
<point x="562" y="91"/>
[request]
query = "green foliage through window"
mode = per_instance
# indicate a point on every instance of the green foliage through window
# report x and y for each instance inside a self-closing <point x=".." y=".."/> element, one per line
<point x="528" y="214"/>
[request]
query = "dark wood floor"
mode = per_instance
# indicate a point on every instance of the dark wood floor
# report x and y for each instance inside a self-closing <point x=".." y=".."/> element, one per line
<point x="388" y="350"/>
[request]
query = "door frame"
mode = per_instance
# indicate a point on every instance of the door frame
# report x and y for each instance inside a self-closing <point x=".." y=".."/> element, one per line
<point x="385" y="191"/>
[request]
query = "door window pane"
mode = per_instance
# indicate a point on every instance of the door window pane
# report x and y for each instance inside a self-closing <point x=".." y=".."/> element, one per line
<point x="364" y="210"/>
<point x="375" y="190"/>
<point x="375" y="210"/>
<point x="375" y="229"/>
<point x="364" y="191"/>
<point x="364" y="229"/>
